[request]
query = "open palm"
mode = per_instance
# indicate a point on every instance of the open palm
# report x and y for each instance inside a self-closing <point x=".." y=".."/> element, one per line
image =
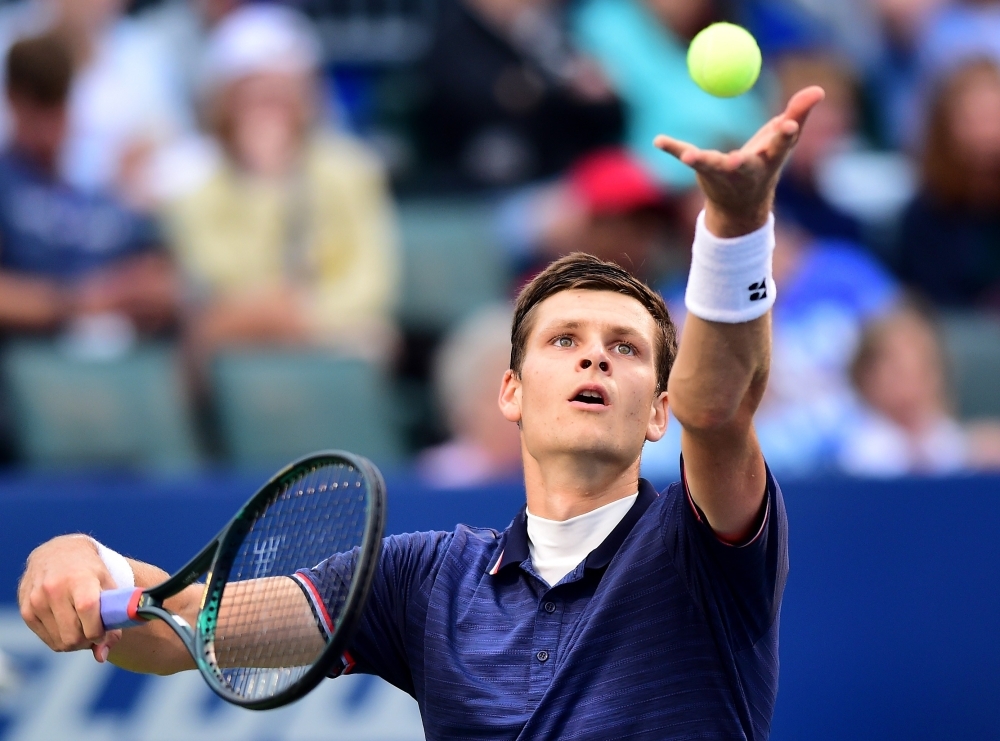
<point x="743" y="181"/>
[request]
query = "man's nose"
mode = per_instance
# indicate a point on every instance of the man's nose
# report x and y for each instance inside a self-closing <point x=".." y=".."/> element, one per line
<point x="598" y="356"/>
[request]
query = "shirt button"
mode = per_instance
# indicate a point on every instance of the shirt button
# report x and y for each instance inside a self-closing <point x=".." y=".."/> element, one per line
<point x="550" y="607"/>
<point x="542" y="656"/>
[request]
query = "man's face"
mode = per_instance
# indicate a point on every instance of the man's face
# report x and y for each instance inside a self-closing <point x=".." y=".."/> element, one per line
<point x="39" y="130"/>
<point x="588" y="380"/>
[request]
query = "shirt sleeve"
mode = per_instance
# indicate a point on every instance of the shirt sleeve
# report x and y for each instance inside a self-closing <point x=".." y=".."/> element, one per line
<point x="737" y="586"/>
<point x="396" y="609"/>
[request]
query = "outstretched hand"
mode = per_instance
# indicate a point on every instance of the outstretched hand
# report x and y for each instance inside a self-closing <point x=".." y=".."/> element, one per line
<point x="739" y="185"/>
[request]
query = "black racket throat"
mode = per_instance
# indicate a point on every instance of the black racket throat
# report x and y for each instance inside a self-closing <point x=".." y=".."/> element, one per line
<point x="286" y="581"/>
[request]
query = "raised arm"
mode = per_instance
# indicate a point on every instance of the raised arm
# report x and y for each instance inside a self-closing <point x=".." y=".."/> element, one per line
<point x="722" y="364"/>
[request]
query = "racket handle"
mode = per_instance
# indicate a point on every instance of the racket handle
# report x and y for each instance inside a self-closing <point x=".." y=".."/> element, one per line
<point x="118" y="608"/>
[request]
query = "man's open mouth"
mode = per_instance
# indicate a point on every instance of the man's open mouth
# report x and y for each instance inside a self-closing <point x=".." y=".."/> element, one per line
<point x="590" y="397"/>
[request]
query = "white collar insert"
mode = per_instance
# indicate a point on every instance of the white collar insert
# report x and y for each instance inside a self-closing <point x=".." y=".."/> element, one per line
<point x="557" y="548"/>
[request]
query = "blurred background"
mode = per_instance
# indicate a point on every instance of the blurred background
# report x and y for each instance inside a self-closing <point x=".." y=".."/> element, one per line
<point x="235" y="232"/>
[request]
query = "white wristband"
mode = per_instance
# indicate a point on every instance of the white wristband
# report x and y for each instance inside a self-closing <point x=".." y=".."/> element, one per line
<point x="117" y="565"/>
<point x="730" y="279"/>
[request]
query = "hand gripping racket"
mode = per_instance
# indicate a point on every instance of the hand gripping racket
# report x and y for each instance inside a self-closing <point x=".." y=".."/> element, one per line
<point x="266" y="632"/>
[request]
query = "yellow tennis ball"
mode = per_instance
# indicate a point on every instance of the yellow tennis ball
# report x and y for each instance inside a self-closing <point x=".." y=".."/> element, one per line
<point x="724" y="60"/>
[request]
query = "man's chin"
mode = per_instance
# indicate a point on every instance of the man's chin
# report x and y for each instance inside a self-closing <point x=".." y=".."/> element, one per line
<point x="596" y="450"/>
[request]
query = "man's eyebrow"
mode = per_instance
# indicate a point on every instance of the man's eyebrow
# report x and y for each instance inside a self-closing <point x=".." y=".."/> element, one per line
<point x="621" y="330"/>
<point x="561" y="324"/>
<point x="627" y="331"/>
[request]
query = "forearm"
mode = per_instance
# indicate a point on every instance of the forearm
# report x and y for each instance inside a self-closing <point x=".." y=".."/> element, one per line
<point x="722" y="365"/>
<point x="28" y="304"/>
<point x="253" y="614"/>
<point x="720" y="373"/>
<point x="145" y="288"/>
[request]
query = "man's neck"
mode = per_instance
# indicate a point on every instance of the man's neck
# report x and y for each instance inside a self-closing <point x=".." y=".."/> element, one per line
<point x="569" y="487"/>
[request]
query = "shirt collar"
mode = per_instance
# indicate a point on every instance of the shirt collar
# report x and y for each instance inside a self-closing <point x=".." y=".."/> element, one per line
<point x="514" y="550"/>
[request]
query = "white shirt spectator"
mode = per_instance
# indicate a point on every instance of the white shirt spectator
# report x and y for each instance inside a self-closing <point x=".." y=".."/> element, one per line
<point x="876" y="446"/>
<point x="127" y="95"/>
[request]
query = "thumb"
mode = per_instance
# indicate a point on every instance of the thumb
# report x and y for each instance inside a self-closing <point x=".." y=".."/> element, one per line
<point x="102" y="649"/>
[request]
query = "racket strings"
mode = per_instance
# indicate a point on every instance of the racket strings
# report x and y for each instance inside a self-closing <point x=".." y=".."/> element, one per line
<point x="290" y="579"/>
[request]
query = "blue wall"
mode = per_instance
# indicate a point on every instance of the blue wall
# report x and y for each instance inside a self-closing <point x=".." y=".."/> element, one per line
<point x="890" y="623"/>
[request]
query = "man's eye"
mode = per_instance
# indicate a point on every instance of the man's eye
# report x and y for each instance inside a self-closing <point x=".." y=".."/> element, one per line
<point x="564" y="342"/>
<point x="625" y="349"/>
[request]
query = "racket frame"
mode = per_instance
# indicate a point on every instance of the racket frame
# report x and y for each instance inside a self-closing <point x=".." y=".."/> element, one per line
<point x="207" y="562"/>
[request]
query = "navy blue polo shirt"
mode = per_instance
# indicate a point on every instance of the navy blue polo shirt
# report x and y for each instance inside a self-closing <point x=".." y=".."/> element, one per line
<point x="663" y="632"/>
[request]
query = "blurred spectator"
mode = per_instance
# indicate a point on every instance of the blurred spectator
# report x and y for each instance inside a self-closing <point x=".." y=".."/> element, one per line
<point x="124" y="101"/>
<point x="829" y="290"/>
<point x="894" y="74"/>
<point x="509" y="99"/>
<point x="66" y="255"/>
<point x="468" y="370"/>
<point x="642" y="45"/>
<point x="958" y="33"/>
<point x="182" y="28"/>
<point x="907" y="426"/>
<point x="848" y="25"/>
<point x="290" y="238"/>
<point x="832" y="129"/>
<point x="949" y="245"/>
<point x="608" y="204"/>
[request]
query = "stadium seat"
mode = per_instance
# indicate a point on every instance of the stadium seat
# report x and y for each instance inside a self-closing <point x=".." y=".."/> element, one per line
<point x="973" y="346"/>
<point x="274" y="406"/>
<point x="452" y="263"/>
<point x="126" y="411"/>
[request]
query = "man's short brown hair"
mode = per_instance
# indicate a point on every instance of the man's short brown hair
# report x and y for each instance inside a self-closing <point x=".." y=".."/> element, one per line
<point x="579" y="271"/>
<point x="40" y="70"/>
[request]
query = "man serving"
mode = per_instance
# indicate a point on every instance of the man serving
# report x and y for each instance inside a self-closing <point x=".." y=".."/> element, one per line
<point x="605" y="610"/>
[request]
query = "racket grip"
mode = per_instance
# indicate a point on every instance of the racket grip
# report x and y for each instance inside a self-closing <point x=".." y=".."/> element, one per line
<point x="118" y="608"/>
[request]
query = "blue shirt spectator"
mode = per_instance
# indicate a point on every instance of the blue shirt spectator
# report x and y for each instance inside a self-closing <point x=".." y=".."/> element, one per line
<point x="64" y="254"/>
<point x="50" y="229"/>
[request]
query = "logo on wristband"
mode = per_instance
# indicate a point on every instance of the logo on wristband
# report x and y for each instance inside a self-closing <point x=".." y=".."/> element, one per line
<point x="758" y="291"/>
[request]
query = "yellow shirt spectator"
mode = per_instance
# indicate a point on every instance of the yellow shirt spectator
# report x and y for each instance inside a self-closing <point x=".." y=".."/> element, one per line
<point x="327" y="231"/>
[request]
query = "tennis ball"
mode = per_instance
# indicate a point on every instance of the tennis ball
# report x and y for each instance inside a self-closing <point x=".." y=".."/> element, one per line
<point x="724" y="60"/>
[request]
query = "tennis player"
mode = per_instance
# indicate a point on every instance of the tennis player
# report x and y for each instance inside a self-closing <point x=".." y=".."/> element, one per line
<point x="605" y="610"/>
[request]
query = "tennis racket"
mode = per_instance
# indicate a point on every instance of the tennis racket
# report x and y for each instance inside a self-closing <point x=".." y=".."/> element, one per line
<point x="266" y="633"/>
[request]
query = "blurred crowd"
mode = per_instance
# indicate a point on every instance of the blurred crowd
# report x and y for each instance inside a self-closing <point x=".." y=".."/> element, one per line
<point x="221" y="175"/>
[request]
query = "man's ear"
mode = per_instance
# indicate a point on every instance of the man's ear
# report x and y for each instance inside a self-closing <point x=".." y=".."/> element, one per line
<point x="658" y="414"/>
<point x="510" y="397"/>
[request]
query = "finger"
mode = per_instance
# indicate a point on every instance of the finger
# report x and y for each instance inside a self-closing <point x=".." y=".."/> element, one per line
<point x="38" y="617"/>
<point x="102" y="649"/>
<point x="676" y="147"/>
<point x="86" y="600"/>
<point x="45" y="619"/>
<point x="784" y="137"/>
<point x="69" y="630"/>
<point x="801" y="104"/>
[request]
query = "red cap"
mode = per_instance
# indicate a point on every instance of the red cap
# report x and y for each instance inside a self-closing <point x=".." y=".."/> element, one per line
<point x="612" y="181"/>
